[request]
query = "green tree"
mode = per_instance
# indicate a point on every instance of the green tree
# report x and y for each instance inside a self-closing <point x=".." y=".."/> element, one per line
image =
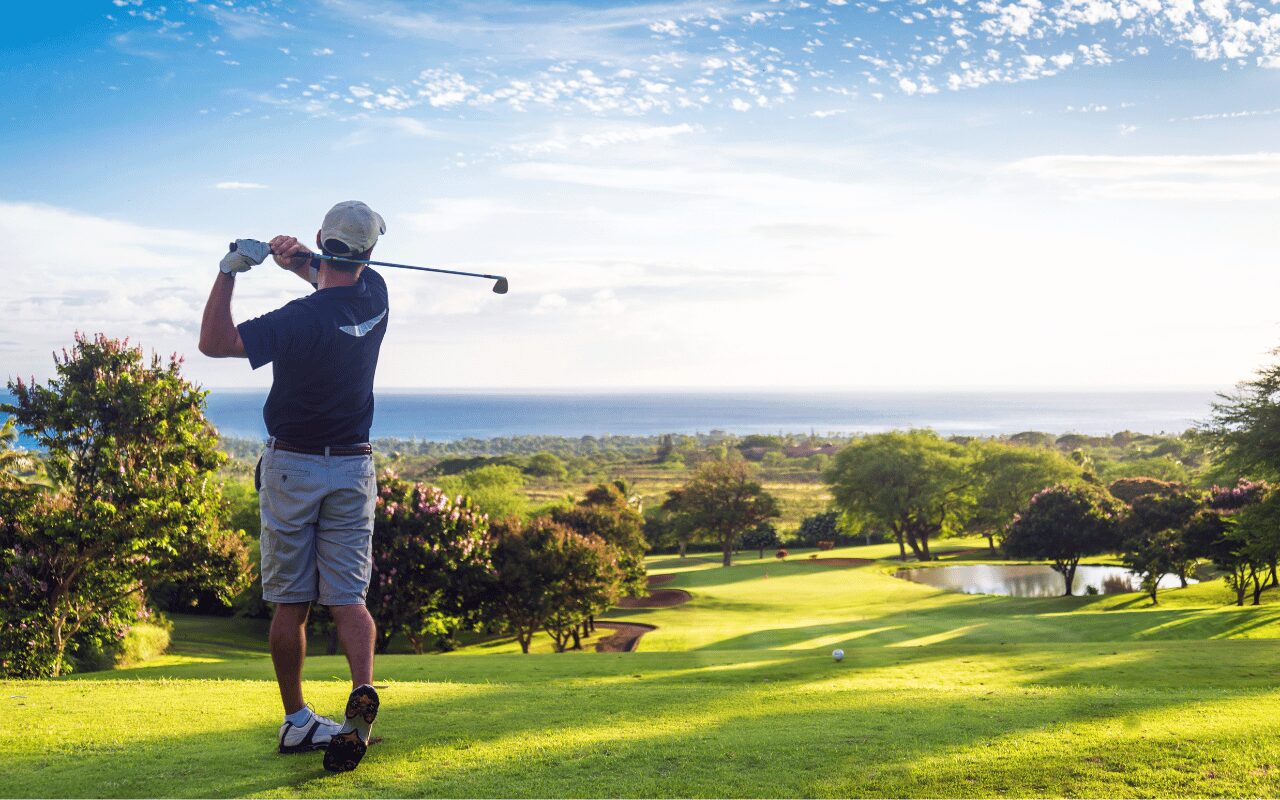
<point x="1064" y="524"/>
<point x="607" y="512"/>
<point x="721" y="502"/>
<point x="1007" y="477"/>
<point x="824" y="527"/>
<point x="549" y="576"/>
<point x="1255" y="533"/>
<point x="496" y="489"/>
<point x="663" y="528"/>
<point x="761" y="536"/>
<point x="546" y="465"/>
<point x="914" y="484"/>
<point x="584" y="581"/>
<point x="1244" y="426"/>
<point x="134" y="464"/>
<point x="1153" y="536"/>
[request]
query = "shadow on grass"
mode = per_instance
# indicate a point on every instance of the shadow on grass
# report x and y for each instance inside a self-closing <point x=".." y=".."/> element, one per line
<point x="688" y="725"/>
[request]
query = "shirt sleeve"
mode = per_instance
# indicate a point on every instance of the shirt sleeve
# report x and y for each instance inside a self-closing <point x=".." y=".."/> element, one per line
<point x="279" y="334"/>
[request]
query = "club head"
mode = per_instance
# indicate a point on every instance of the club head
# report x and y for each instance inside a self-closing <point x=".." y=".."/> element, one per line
<point x="500" y="287"/>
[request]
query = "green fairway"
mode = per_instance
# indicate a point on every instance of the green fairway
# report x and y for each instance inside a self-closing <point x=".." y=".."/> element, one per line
<point x="734" y="694"/>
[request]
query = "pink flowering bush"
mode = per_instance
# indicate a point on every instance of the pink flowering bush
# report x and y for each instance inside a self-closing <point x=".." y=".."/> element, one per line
<point x="432" y="564"/>
<point x="1234" y="498"/>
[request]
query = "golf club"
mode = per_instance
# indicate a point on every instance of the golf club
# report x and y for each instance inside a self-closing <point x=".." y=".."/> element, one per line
<point x="499" y="286"/>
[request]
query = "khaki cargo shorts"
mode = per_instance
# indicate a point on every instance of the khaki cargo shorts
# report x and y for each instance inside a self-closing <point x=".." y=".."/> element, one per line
<point x="317" y="527"/>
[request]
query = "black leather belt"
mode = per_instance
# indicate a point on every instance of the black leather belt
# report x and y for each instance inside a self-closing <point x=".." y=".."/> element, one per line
<point x="333" y="450"/>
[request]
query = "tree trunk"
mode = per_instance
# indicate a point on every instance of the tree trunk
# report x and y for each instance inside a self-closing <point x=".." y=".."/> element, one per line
<point x="762" y="554"/>
<point x="577" y="638"/>
<point x="1069" y="575"/>
<point x="684" y="544"/>
<point x="1274" y="581"/>
<point x="727" y="545"/>
<point x="524" y="640"/>
<point x="915" y="546"/>
<point x="1257" y="586"/>
<point x="1154" y="586"/>
<point x="333" y="642"/>
<point x="59" y="646"/>
<point x="902" y="548"/>
<point x="924" y="546"/>
<point x="991" y="540"/>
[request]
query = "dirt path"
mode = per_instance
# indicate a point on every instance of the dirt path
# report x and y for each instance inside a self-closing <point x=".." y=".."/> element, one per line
<point x="658" y="598"/>
<point x="658" y="580"/>
<point x="625" y="636"/>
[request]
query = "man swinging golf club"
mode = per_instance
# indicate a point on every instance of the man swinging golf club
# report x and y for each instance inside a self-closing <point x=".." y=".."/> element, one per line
<point x="316" y="478"/>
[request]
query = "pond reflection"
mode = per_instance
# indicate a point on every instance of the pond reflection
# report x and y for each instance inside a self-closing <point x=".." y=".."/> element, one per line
<point x="1030" y="580"/>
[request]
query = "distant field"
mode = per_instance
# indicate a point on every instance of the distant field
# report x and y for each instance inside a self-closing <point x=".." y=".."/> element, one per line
<point x="735" y="694"/>
<point x="800" y="494"/>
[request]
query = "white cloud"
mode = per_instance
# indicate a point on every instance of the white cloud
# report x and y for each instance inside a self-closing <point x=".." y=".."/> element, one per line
<point x="1179" y="177"/>
<point x="238" y="185"/>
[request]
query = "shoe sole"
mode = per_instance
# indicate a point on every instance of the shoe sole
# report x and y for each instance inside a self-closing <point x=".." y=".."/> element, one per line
<point x="346" y="749"/>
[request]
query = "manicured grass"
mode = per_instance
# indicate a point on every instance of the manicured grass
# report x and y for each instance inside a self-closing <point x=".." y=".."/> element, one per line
<point x="735" y="694"/>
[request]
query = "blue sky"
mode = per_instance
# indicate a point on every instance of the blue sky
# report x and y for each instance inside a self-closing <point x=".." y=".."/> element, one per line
<point x="840" y="194"/>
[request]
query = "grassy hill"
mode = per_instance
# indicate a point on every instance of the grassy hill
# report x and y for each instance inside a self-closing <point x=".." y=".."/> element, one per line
<point x="735" y="694"/>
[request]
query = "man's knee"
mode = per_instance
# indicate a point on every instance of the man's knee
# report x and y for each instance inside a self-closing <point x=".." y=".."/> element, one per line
<point x="350" y="611"/>
<point x="292" y="613"/>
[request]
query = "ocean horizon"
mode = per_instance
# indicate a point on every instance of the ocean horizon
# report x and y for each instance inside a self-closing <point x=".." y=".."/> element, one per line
<point x="486" y="414"/>
<point x="453" y="415"/>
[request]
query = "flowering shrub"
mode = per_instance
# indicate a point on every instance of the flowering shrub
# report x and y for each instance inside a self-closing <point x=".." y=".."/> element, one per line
<point x="781" y="554"/>
<point x="432" y="561"/>
<point x="1233" y="498"/>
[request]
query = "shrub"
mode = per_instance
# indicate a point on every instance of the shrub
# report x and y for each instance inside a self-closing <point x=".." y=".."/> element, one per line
<point x="781" y="554"/>
<point x="143" y="642"/>
<point x="818" y="528"/>
<point x="826" y="544"/>
<point x="431" y="563"/>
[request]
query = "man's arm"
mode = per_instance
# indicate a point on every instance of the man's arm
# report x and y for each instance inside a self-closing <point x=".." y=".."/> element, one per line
<point x="290" y="254"/>
<point x="218" y="335"/>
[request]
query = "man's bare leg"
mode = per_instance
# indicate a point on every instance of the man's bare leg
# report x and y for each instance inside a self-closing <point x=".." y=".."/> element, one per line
<point x="356" y="631"/>
<point x="288" y="640"/>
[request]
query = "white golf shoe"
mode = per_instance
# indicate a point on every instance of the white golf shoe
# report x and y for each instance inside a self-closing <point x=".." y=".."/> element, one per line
<point x="315" y="735"/>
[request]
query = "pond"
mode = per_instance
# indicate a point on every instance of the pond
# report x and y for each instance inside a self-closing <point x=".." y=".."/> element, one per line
<point x="1030" y="580"/>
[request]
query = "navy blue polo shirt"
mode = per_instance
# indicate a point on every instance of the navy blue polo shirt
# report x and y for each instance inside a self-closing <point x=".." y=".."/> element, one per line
<point x="323" y="351"/>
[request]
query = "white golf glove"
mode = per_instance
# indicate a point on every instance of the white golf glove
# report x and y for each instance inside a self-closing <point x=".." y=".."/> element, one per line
<point x="248" y="254"/>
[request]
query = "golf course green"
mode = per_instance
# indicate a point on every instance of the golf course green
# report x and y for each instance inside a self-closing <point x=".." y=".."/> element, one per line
<point x="734" y="694"/>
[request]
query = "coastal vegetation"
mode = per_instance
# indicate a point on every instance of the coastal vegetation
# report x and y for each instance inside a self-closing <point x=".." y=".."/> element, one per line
<point x="128" y="544"/>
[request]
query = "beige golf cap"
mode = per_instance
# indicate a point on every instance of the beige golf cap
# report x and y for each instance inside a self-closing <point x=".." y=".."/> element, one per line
<point x="351" y="227"/>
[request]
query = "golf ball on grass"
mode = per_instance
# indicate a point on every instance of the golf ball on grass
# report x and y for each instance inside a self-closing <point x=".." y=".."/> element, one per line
<point x="837" y="654"/>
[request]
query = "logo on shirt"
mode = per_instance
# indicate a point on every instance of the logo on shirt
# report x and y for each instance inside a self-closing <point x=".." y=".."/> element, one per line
<point x="363" y="327"/>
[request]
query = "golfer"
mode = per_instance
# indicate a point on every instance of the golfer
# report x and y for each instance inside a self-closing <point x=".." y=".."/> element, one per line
<point x="315" y="479"/>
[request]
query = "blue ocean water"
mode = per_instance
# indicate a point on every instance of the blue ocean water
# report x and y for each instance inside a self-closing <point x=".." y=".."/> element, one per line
<point x="448" y="416"/>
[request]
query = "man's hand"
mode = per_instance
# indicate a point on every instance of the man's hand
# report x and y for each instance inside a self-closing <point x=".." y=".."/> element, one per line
<point x="248" y="254"/>
<point x="289" y="253"/>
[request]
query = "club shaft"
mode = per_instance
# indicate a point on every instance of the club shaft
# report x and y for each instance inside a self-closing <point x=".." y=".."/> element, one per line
<point x="323" y="257"/>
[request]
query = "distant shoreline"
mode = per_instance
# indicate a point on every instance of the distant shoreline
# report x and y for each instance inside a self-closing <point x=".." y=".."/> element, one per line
<point x="446" y="416"/>
<point x="449" y="416"/>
